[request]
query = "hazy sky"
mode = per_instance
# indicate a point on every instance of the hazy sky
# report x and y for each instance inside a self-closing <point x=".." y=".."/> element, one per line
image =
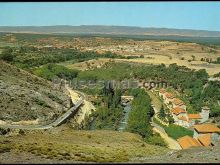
<point x="181" y="15"/>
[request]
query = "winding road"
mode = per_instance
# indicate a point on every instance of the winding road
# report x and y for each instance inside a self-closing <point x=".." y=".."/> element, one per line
<point x="172" y="144"/>
<point x="57" y="122"/>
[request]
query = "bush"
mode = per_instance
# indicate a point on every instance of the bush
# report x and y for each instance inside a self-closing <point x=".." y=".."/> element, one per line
<point x="7" y="55"/>
<point x="156" y="139"/>
<point x="4" y="131"/>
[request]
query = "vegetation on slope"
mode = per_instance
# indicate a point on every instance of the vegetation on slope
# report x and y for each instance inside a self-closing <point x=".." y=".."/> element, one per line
<point x="140" y="117"/>
<point x="87" y="146"/>
<point x="51" y="71"/>
<point x="109" y="110"/>
<point x="29" y="56"/>
<point x="27" y="97"/>
<point x="141" y="113"/>
<point x="190" y="83"/>
<point x="176" y="131"/>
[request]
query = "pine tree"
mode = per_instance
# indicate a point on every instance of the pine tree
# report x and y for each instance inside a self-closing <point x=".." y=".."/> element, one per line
<point x="162" y="112"/>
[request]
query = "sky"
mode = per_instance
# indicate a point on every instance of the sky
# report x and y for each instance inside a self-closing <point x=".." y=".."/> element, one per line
<point x="180" y="15"/>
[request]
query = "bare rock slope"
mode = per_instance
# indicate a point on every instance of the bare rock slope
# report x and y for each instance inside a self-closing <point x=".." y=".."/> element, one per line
<point x="26" y="97"/>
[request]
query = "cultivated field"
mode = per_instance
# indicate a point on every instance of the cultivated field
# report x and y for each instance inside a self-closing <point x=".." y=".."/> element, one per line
<point x="191" y="55"/>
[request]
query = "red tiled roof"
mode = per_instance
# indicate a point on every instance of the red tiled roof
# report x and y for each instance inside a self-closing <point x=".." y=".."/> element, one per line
<point x="182" y="118"/>
<point x="187" y="142"/>
<point x="178" y="110"/>
<point x="205" y="140"/>
<point x="207" y="128"/>
<point x="194" y="116"/>
<point x="169" y="95"/>
<point x="178" y="102"/>
<point x="162" y="90"/>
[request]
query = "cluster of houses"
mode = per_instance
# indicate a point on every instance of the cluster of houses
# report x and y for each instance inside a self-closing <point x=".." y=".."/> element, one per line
<point x="205" y="134"/>
<point x="179" y="112"/>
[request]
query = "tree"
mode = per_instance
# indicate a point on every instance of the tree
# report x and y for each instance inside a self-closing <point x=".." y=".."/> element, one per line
<point x="117" y="98"/>
<point x="151" y="112"/>
<point x="218" y="60"/>
<point x="162" y="112"/>
<point x="202" y="75"/>
<point x="170" y="119"/>
<point x="7" y="55"/>
<point x="193" y="58"/>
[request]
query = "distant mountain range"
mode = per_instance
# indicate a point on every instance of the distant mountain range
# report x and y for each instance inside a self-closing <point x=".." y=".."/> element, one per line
<point x="99" y="29"/>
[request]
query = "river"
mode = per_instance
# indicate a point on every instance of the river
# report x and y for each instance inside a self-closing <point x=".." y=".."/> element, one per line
<point x="124" y="120"/>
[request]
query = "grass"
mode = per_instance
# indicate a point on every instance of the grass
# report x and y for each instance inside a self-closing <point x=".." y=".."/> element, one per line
<point x="177" y="132"/>
<point x="156" y="139"/>
<point x="89" y="146"/>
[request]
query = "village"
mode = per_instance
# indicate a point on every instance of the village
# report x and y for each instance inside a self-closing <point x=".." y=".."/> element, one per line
<point x="204" y="132"/>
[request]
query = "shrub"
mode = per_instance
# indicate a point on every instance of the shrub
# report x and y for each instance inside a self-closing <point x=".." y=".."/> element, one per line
<point x="156" y="139"/>
<point x="7" y="57"/>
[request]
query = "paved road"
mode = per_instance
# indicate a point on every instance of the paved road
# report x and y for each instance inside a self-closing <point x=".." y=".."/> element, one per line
<point x="172" y="144"/>
<point x="57" y="122"/>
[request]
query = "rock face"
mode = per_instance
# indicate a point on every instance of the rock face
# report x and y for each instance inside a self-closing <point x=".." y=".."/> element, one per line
<point x="26" y="97"/>
<point x="82" y="115"/>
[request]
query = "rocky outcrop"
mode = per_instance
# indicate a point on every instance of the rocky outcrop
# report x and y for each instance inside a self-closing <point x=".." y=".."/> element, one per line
<point x="26" y="97"/>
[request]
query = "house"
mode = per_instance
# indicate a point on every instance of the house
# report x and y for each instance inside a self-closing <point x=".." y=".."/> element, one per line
<point x="168" y="98"/>
<point x="188" y="142"/>
<point x="204" y="129"/>
<point x="208" y="134"/>
<point x="187" y="120"/>
<point x="206" y="140"/>
<point x="193" y="118"/>
<point x="177" y="113"/>
<point x="178" y="103"/>
<point x="162" y="92"/>
<point x="183" y="121"/>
